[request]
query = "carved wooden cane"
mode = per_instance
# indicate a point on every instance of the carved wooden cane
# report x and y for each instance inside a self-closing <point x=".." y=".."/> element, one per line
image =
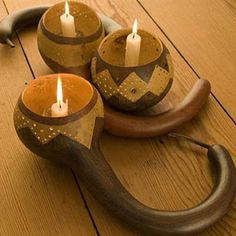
<point x="74" y="140"/>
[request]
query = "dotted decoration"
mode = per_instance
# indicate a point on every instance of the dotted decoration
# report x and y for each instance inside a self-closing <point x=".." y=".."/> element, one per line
<point x="133" y="88"/>
<point x="106" y="84"/>
<point x="159" y="80"/>
<point x="80" y="130"/>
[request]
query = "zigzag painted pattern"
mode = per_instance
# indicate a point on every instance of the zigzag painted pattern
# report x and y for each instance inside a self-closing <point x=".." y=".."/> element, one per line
<point x="133" y="87"/>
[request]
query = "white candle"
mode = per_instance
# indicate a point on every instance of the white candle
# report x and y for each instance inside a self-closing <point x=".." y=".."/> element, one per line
<point x="133" y="43"/>
<point x="59" y="108"/>
<point x="67" y="22"/>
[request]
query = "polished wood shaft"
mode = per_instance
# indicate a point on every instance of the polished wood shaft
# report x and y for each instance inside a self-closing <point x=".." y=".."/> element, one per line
<point x="129" y="125"/>
<point x="100" y="180"/>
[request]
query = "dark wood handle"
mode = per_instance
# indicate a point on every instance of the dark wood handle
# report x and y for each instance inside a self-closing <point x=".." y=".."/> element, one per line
<point x="101" y="181"/>
<point x="19" y="19"/>
<point x="129" y="125"/>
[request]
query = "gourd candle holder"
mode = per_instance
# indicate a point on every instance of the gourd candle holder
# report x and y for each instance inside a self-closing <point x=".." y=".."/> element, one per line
<point x="132" y="88"/>
<point x="37" y="129"/>
<point x="69" y="54"/>
<point x="74" y="140"/>
<point x="117" y="122"/>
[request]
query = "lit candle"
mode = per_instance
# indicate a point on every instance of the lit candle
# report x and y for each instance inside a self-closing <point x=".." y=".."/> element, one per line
<point x="67" y="22"/>
<point x="59" y="108"/>
<point x="133" y="43"/>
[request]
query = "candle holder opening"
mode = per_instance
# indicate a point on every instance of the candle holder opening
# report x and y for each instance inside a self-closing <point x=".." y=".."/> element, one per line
<point x="112" y="49"/>
<point x="70" y="54"/>
<point x="137" y="87"/>
<point x="87" y="22"/>
<point x="40" y="94"/>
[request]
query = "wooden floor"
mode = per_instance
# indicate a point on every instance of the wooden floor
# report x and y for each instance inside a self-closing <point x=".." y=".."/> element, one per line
<point x="42" y="198"/>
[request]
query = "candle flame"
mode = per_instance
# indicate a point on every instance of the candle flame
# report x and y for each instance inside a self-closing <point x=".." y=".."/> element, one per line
<point x="67" y="9"/>
<point x="135" y="27"/>
<point x="59" y="92"/>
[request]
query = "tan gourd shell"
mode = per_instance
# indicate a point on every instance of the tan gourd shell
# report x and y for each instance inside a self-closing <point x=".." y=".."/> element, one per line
<point x="69" y="54"/>
<point x="132" y="88"/>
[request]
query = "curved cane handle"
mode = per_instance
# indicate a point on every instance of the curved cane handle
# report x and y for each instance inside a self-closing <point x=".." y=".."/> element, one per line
<point x="128" y="125"/>
<point x="102" y="183"/>
<point x="17" y="20"/>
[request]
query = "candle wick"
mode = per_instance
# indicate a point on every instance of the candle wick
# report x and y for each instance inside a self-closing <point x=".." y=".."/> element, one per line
<point x="134" y="35"/>
<point x="59" y="104"/>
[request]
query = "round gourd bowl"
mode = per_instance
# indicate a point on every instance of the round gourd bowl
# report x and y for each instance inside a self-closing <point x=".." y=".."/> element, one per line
<point x="69" y="54"/>
<point x="52" y="137"/>
<point x="132" y="88"/>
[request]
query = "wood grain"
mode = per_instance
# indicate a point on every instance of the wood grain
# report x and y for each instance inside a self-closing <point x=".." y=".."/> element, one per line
<point x="204" y="33"/>
<point x="161" y="173"/>
<point x="34" y="194"/>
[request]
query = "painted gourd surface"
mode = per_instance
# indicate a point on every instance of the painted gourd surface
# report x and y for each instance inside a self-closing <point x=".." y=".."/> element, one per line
<point x="132" y="88"/>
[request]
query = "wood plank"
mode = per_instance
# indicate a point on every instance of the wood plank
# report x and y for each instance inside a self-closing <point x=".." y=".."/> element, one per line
<point x="161" y="173"/>
<point x="36" y="197"/>
<point x="204" y="32"/>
